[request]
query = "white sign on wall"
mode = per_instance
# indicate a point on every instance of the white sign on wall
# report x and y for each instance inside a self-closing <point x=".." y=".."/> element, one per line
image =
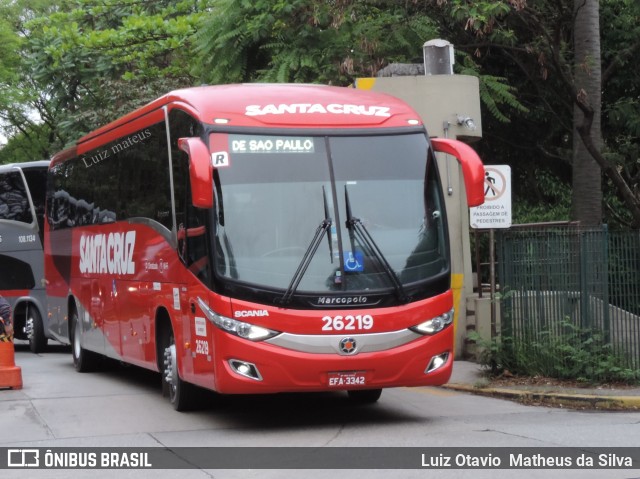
<point x="496" y="210"/>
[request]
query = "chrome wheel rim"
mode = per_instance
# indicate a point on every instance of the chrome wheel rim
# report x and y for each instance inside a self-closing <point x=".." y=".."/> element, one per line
<point x="76" y="338"/>
<point x="171" y="369"/>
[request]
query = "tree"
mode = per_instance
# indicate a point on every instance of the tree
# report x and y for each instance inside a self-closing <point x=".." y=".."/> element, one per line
<point x="79" y="64"/>
<point x="21" y="104"/>
<point x="20" y="147"/>
<point x="95" y="61"/>
<point x="545" y="53"/>
<point x="620" y="20"/>
<point x="308" y="40"/>
<point x="587" y="71"/>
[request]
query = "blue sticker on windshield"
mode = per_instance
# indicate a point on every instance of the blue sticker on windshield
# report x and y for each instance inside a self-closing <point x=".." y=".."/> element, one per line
<point x="353" y="261"/>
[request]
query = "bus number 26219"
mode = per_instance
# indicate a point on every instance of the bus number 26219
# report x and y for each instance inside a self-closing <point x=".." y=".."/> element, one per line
<point x="358" y="322"/>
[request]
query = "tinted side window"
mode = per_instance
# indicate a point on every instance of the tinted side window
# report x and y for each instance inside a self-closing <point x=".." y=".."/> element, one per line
<point x="14" y="202"/>
<point x="182" y="125"/>
<point x="144" y="188"/>
<point x="16" y="274"/>
<point x="37" y="182"/>
<point x="127" y="178"/>
<point x="192" y="234"/>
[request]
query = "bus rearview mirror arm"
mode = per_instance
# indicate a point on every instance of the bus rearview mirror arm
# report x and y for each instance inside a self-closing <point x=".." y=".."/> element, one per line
<point x="200" y="171"/>
<point x="472" y="167"/>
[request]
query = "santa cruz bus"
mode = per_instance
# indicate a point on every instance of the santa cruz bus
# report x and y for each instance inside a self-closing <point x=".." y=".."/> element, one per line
<point x="22" y="198"/>
<point x="257" y="239"/>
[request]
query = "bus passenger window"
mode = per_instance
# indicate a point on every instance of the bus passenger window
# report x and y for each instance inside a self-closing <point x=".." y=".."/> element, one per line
<point x="14" y="204"/>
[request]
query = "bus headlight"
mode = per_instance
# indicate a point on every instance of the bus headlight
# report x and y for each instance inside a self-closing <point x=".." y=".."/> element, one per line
<point x="434" y="325"/>
<point x="238" y="328"/>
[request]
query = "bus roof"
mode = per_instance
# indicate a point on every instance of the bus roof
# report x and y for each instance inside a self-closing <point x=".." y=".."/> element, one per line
<point x="282" y="105"/>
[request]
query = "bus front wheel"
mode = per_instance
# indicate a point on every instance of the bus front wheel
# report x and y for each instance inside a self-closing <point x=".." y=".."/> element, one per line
<point x="180" y="393"/>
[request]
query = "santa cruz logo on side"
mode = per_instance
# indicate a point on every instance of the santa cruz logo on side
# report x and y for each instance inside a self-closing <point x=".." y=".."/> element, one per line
<point x="108" y="254"/>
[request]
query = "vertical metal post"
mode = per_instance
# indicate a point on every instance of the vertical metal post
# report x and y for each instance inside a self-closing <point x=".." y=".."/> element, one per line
<point x="584" y="290"/>
<point x="478" y="267"/>
<point x="492" y="269"/>
<point x="445" y="128"/>
<point x="604" y="235"/>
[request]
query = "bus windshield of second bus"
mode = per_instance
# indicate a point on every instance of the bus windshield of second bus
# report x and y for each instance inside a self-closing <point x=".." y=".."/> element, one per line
<point x="305" y="218"/>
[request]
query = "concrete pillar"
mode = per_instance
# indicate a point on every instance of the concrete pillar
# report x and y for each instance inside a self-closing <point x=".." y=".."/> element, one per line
<point x="449" y="106"/>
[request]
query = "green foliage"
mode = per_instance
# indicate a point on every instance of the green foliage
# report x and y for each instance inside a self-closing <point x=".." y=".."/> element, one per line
<point x="531" y="44"/>
<point x="9" y="47"/>
<point x="327" y="42"/>
<point x="482" y="18"/>
<point x="131" y="38"/>
<point x="307" y="41"/>
<point x="22" y="105"/>
<point x="22" y="147"/>
<point x="72" y="65"/>
<point x="550" y="200"/>
<point x="569" y="352"/>
<point x="620" y="20"/>
<point x="96" y="61"/>
<point x="495" y="92"/>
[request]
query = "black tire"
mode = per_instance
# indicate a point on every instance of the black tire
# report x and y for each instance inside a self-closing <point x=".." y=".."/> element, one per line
<point x="181" y="394"/>
<point x="364" y="396"/>
<point x="37" y="340"/>
<point x="83" y="360"/>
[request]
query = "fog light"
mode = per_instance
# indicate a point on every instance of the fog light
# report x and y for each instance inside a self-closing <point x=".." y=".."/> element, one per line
<point x="243" y="368"/>
<point x="437" y="362"/>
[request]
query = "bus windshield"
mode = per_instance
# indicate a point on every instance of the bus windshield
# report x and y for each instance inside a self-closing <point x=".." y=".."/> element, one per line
<point x="14" y="199"/>
<point x="329" y="214"/>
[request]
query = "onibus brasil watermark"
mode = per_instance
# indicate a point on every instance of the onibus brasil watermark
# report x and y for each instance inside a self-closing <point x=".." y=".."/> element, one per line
<point x="384" y="458"/>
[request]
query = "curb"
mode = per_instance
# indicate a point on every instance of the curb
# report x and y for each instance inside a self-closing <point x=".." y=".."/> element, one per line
<point x="575" y="401"/>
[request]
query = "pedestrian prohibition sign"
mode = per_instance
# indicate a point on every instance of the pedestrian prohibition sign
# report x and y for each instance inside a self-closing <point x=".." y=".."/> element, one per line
<point x="495" y="212"/>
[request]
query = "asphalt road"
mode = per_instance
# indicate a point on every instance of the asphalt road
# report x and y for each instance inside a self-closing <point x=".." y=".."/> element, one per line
<point x="123" y="407"/>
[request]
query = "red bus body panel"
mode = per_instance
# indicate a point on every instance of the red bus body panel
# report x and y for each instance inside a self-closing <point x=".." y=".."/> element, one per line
<point x="287" y="370"/>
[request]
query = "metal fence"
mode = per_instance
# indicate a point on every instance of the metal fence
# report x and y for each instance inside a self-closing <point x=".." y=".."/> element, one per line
<point x="574" y="289"/>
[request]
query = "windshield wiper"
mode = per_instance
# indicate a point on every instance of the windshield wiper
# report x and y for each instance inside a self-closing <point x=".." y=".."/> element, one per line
<point x="321" y="230"/>
<point x="355" y="225"/>
<point x="326" y="218"/>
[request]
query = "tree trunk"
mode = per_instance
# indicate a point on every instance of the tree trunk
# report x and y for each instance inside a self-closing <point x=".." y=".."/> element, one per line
<point x="587" y="175"/>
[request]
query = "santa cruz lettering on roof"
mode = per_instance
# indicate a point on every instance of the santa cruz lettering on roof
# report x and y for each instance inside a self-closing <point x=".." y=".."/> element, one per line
<point x="313" y="108"/>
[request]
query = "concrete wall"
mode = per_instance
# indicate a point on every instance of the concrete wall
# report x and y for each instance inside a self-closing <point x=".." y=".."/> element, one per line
<point x="440" y="100"/>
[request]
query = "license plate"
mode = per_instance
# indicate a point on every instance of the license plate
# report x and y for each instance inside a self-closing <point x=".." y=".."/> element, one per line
<point x="347" y="379"/>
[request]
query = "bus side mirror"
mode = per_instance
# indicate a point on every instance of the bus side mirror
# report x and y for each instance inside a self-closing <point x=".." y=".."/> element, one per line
<point x="200" y="171"/>
<point x="472" y="167"/>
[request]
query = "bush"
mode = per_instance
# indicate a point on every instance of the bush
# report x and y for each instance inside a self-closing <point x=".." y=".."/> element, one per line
<point x="576" y="354"/>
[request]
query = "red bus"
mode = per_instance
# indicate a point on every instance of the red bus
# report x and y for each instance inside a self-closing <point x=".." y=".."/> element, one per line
<point x="257" y="239"/>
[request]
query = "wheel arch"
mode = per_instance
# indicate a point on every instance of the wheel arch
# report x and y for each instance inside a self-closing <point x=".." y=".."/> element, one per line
<point x="163" y="327"/>
<point x="71" y="307"/>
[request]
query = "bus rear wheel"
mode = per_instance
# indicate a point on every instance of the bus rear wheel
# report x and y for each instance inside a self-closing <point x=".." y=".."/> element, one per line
<point x="364" y="396"/>
<point x="83" y="360"/>
<point x="35" y="331"/>
<point x="180" y="393"/>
